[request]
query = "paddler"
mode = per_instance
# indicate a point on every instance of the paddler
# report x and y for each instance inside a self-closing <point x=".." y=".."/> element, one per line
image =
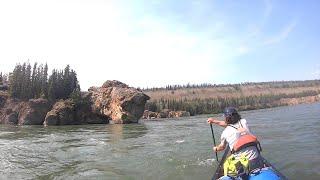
<point x="239" y="138"/>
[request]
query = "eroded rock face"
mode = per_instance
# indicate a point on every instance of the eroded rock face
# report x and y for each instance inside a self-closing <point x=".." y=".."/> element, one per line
<point x="66" y="112"/>
<point x="150" y="114"/>
<point x="11" y="118"/>
<point x="30" y="112"/>
<point x="33" y="112"/>
<point x="174" y="114"/>
<point x="85" y="112"/>
<point x="166" y="113"/>
<point x="114" y="101"/>
<point x="62" y="113"/>
<point x="118" y="101"/>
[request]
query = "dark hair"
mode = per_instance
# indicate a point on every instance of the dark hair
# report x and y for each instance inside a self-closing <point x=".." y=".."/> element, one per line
<point x="234" y="118"/>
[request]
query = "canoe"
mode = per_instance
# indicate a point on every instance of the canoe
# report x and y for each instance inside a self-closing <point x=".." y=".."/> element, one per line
<point x="269" y="172"/>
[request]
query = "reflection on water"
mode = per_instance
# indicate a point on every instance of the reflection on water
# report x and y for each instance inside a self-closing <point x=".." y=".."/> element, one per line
<point x="121" y="131"/>
<point x="166" y="149"/>
<point x="117" y="132"/>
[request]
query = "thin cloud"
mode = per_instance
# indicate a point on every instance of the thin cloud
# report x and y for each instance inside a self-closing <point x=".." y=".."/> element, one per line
<point x="282" y="35"/>
<point x="255" y="31"/>
<point x="243" y="49"/>
<point x="112" y="42"/>
<point x="268" y="8"/>
<point x="316" y="73"/>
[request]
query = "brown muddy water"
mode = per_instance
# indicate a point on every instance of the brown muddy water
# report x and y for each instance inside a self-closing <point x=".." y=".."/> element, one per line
<point x="164" y="149"/>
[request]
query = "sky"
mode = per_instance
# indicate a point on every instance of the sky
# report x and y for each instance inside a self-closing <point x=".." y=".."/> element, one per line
<point x="154" y="43"/>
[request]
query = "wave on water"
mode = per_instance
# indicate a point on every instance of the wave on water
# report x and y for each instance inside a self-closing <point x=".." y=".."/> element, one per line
<point x="94" y="141"/>
<point x="207" y="162"/>
<point x="6" y="133"/>
<point x="179" y="141"/>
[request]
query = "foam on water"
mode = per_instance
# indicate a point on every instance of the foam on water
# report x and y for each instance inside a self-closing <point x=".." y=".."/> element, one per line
<point x="179" y="141"/>
<point x="207" y="162"/>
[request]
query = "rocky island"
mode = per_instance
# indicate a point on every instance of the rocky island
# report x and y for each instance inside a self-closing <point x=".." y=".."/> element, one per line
<point x="113" y="102"/>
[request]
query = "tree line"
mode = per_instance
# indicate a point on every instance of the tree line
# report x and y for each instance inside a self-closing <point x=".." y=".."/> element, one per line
<point x="216" y="105"/>
<point x="26" y="82"/>
<point x="272" y="84"/>
<point x="3" y="79"/>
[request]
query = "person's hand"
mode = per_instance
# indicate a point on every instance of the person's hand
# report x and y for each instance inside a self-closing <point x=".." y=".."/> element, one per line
<point x="211" y="121"/>
<point x="215" y="149"/>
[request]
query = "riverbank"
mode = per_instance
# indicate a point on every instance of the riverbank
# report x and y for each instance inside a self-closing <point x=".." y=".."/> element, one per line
<point x="149" y="115"/>
<point x="210" y="99"/>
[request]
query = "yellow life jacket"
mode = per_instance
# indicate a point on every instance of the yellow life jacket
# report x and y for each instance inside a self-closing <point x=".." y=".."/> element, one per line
<point x="233" y="166"/>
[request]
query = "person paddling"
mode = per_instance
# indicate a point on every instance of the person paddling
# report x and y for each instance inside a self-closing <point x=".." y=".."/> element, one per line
<point x="239" y="138"/>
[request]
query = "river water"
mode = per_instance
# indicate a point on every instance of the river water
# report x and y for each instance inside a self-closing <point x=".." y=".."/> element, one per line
<point x="164" y="149"/>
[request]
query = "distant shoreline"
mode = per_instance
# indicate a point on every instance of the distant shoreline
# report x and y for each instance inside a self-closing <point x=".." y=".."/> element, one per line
<point x="213" y="114"/>
<point x="212" y="99"/>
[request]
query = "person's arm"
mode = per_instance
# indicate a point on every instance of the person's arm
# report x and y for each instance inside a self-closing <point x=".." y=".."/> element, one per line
<point x="220" y="147"/>
<point x="217" y="122"/>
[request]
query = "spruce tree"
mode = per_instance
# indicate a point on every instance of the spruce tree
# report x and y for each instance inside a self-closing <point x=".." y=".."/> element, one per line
<point x="1" y="79"/>
<point x="44" y="82"/>
<point x="33" y="79"/>
<point x="27" y="83"/>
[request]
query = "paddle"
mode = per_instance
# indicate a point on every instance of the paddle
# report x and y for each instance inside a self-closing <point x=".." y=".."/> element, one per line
<point x="214" y="141"/>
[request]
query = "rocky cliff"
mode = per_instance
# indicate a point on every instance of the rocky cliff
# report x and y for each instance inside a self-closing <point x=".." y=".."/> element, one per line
<point x="31" y="112"/>
<point x="113" y="101"/>
<point x="118" y="101"/>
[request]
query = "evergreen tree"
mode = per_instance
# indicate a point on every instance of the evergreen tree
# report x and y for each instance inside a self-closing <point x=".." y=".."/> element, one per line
<point x="44" y="82"/>
<point x="34" y="79"/>
<point x="52" y="85"/>
<point x="26" y="84"/>
<point x="1" y="79"/>
<point x="14" y="78"/>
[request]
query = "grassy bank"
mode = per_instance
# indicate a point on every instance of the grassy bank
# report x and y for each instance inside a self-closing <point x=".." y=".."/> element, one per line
<point x="208" y="98"/>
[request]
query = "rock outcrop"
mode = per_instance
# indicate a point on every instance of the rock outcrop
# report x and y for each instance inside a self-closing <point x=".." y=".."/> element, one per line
<point x="30" y="112"/>
<point x="174" y="114"/>
<point x="114" y="101"/>
<point x="149" y="115"/>
<point x="66" y="112"/>
<point x="166" y="113"/>
<point x="118" y="101"/>
<point x="62" y="113"/>
<point x="33" y="112"/>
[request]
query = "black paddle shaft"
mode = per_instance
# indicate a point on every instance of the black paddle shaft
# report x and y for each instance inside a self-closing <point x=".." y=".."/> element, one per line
<point x="214" y="141"/>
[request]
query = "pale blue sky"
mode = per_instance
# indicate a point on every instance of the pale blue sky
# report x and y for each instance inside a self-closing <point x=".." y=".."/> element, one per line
<point x="158" y="42"/>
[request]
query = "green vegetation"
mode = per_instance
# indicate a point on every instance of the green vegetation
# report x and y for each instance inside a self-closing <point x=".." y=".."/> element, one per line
<point x="1" y="79"/>
<point x="273" y="84"/>
<point x="27" y="83"/>
<point x="207" y="98"/>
